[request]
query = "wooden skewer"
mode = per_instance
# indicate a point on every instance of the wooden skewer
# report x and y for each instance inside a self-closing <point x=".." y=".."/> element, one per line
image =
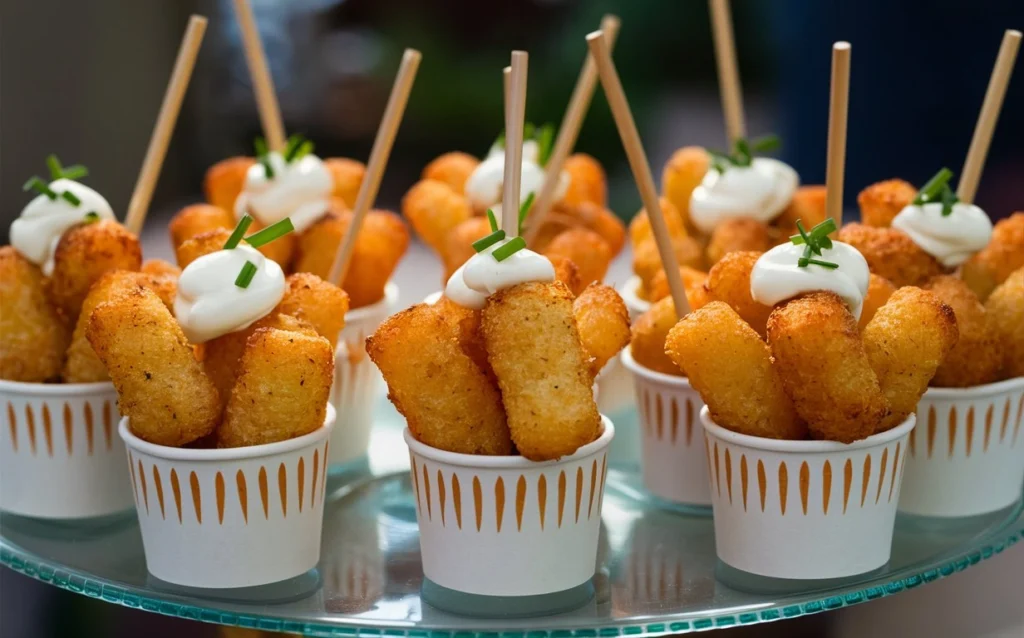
<point x="142" y="196"/>
<point x="262" y="81"/>
<point x="378" y="160"/>
<point x="976" y="154"/>
<point x="838" y="108"/>
<point x="515" y="112"/>
<point x="506" y="80"/>
<point x="598" y="44"/>
<point x="728" y="73"/>
<point x="568" y="132"/>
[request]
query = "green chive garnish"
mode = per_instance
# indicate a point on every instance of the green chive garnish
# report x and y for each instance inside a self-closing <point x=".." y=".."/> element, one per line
<point x="267" y="168"/>
<point x="76" y="171"/>
<point x="826" y="264"/>
<point x="238" y="233"/>
<point x="481" y="245"/>
<point x="304" y="149"/>
<point x="766" y="144"/>
<point x="512" y="247"/>
<point x="71" y="197"/>
<point x="91" y="217"/>
<point x="822" y="230"/>
<point x="270" y="233"/>
<point x="814" y="242"/>
<point x="803" y="238"/>
<point x="492" y="220"/>
<point x="260" y="145"/>
<point x="38" y="185"/>
<point x="245" y="277"/>
<point x="545" y="143"/>
<point x="292" y="147"/>
<point x="743" y="152"/>
<point x="56" y="170"/>
<point x="931" y="190"/>
<point x="948" y="199"/>
<point x="524" y="209"/>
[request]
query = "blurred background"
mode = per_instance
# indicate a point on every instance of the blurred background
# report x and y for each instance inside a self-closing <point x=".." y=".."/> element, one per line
<point x="85" y="80"/>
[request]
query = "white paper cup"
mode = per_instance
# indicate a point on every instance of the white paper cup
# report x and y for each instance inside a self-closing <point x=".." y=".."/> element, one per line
<point x="357" y="382"/>
<point x="233" y="517"/>
<point x="673" y="459"/>
<point x="804" y="510"/>
<point x="968" y="457"/>
<point x="59" y="455"/>
<point x="507" y="526"/>
<point x="629" y="292"/>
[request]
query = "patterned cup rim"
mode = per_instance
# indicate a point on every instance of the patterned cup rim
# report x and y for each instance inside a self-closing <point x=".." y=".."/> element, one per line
<point x="976" y="391"/>
<point x="388" y="302"/>
<point x="805" y="447"/>
<point x="228" y="454"/>
<point x="50" y="390"/>
<point x="481" y="461"/>
<point x="630" y="296"/>
<point x="635" y="367"/>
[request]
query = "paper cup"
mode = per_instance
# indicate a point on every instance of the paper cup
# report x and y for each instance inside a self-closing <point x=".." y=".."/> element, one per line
<point x="59" y="455"/>
<point x="672" y="457"/>
<point x="629" y="292"/>
<point x="804" y="510"/>
<point x="968" y="457"/>
<point x="233" y="517"/>
<point x="357" y="383"/>
<point x="507" y="526"/>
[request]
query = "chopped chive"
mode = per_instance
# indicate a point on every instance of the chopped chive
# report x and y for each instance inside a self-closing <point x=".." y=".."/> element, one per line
<point x="292" y="147"/>
<point x="803" y="238"/>
<point x="270" y="233"/>
<point x="825" y="242"/>
<point x="481" y="245"/>
<point x="545" y="143"/>
<point x="512" y="247"/>
<point x="742" y="154"/>
<point x="91" y="217"/>
<point x="492" y="220"/>
<point x="71" y="198"/>
<point x="246" y="275"/>
<point x="930" y="191"/>
<point x="524" y="209"/>
<point x="267" y="168"/>
<point x="826" y="227"/>
<point x="766" y="144"/>
<point x="949" y="198"/>
<point x="56" y="170"/>
<point x="826" y="264"/>
<point x="260" y="145"/>
<point x="305" y="149"/>
<point x="76" y="171"/>
<point x="38" y="185"/>
<point x="238" y="233"/>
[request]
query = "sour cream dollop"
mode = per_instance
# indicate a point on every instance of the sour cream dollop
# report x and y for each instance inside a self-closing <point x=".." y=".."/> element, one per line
<point x="483" y="275"/>
<point x="36" y="233"/>
<point x="209" y="304"/>
<point x="951" y="239"/>
<point x="300" y="190"/>
<point x="484" y="185"/>
<point x="759" y="191"/>
<point x="777" y="276"/>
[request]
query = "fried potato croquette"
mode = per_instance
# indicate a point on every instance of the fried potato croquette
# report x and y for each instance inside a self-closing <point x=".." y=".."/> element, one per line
<point x="585" y="214"/>
<point x="1005" y="308"/>
<point x="83" y="254"/>
<point x="906" y="341"/>
<point x="729" y="281"/>
<point x="730" y="366"/>
<point x="435" y="210"/>
<point x="225" y="180"/>
<point x="738" y="234"/>
<point x="892" y="254"/>
<point x="202" y="244"/>
<point x="160" y="385"/>
<point x="453" y="169"/>
<point x="465" y="323"/>
<point x="197" y="219"/>
<point x="348" y="177"/>
<point x="33" y="335"/>
<point x="881" y="202"/>
<point x="567" y="273"/>
<point x="977" y="357"/>
<point x="458" y="246"/>
<point x="282" y="389"/>
<point x="82" y="365"/>
<point x="159" y="267"/>
<point x="588" y="250"/>
<point x="807" y="205"/>
<point x="647" y="337"/>
<point x="825" y="370"/>
<point x="879" y="291"/>
<point x="542" y="371"/>
<point x="640" y="227"/>
<point x="446" y="399"/>
<point x="647" y="260"/>
<point x="319" y="302"/>
<point x="1003" y="255"/>
<point x="587" y="181"/>
<point x="694" y="281"/>
<point x="603" y="323"/>
<point x="683" y="173"/>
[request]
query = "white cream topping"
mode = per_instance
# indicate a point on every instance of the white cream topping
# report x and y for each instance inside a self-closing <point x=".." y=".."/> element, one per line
<point x="483" y="275"/>
<point x="759" y="191"/>
<point x="777" y="276"/>
<point x="300" y="190"/>
<point x="484" y="185"/>
<point x="209" y="304"/>
<point x="36" y="233"/>
<point x="951" y="239"/>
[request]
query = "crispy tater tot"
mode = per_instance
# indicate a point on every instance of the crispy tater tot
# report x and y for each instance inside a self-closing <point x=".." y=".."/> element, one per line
<point x="647" y="337"/>
<point x="640" y="227"/>
<point x="807" y="205"/>
<point x="647" y="259"/>
<point x="603" y="222"/>
<point x="196" y="219"/>
<point x="879" y="291"/>
<point x="83" y="254"/>
<point x="1003" y="255"/>
<point x="33" y="335"/>
<point x="729" y="281"/>
<point x="452" y="168"/>
<point x="568" y="273"/>
<point x="534" y="349"/>
<point x="892" y="254"/>
<point x="906" y="341"/>
<point x="465" y="323"/>
<point x="882" y="201"/>
<point x="435" y="210"/>
<point x="283" y="386"/>
<point x="588" y="250"/>
<point x="824" y="368"/>
<point x="348" y="177"/>
<point x="683" y="173"/>
<point x="1005" y="308"/>
<point x="160" y="267"/>
<point x="587" y="180"/>
<point x="319" y="302"/>
<point x="738" y="234"/>
<point x="82" y="365"/>
<point x="225" y="180"/>
<point x="977" y="357"/>
<point x="446" y="399"/>
<point x="160" y="385"/>
<point x="694" y="281"/>
<point x="458" y="246"/>
<point x="730" y="366"/>
<point x="603" y="323"/>
<point x="202" y="244"/>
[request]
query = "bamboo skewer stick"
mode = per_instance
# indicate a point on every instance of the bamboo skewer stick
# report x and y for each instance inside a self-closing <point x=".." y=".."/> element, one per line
<point x="262" y="81"/>
<point x="142" y="196"/>
<point x="515" y="112"/>
<point x="506" y="82"/>
<point x="728" y="71"/>
<point x="382" y="144"/>
<point x="568" y="132"/>
<point x="987" y="118"/>
<point x="598" y="44"/>
<point x="838" y="110"/>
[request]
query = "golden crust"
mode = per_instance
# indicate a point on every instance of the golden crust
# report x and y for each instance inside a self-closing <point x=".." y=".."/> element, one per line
<point x="647" y="260"/>
<point x="83" y="254"/>
<point x="694" y="281"/>
<point x="435" y="210"/>
<point x="879" y="291"/>
<point x="316" y="301"/>
<point x="587" y="181"/>
<point x="1005" y="308"/>
<point x="807" y="205"/>
<point x="881" y="202"/>
<point x="1003" y="255"/>
<point x="640" y="229"/>
<point x="33" y="335"/>
<point x="738" y="234"/>
<point x="451" y="168"/>
<point x="683" y="173"/>
<point x="568" y="273"/>
<point x="196" y="219"/>
<point x="458" y="245"/>
<point x="603" y="323"/>
<point x="225" y="180"/>
<point x="204" y="243"/>
<point x="588" y="250"/>
<point x="729" y="281"/>
<point x="647" y="337"/>
<point x="977" y="358"/>
<point x="348" y="177"/>
<point x="160" y="268"/>
<point x="890" y="253"/>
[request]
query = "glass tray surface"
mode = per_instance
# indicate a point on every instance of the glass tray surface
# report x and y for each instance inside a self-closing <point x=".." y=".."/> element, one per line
<point x="656" y="567"/>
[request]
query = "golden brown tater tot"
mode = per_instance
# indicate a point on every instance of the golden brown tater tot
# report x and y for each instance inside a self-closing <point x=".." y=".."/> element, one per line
<point x="647" y="337"/>
<point x="587" y="181"/>
<point x="197" y="219"/>
<point x="33" y="335"/>
<point x="588" y="250"/>
<point x="977" y="357"/>
<point x="881" y="202"/>
<point x="892" y="254"/>
<point x="348" y="177"/>
<point x="319" y="302"/>
<point x="729" y="281"/>
<point x="879" y="291"/>
<point x="738" y="234"/>
<point x="603" y="323"/>
<point x="807" y="205"/>
<point x="83" y="254"/>
<point x="1003" y="255"/>
<point x="683" y="173"/>
<point x="225" y="180"/>
<point x="458" y="246"/>
<point x="452" y="168"/>
<point x="435" y="211"/>
<point x="1005" y="308"/>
